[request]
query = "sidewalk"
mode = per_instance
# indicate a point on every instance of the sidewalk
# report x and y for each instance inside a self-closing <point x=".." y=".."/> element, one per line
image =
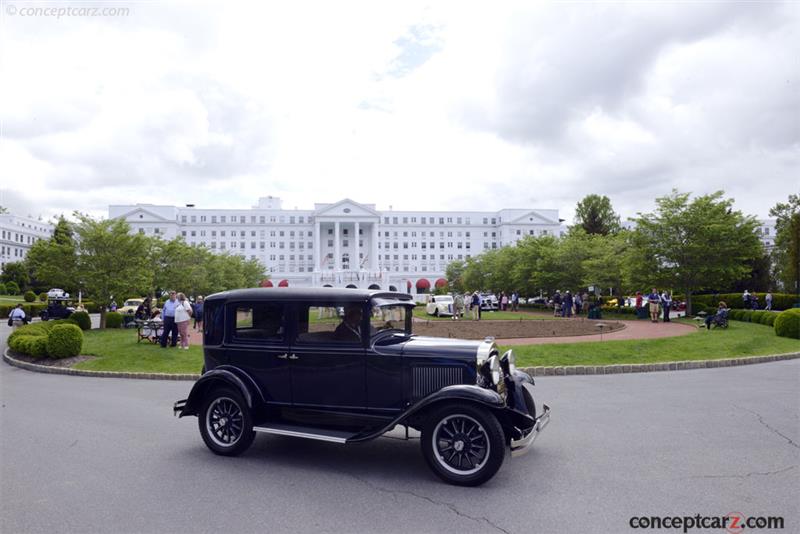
<point x="640" y="329"/>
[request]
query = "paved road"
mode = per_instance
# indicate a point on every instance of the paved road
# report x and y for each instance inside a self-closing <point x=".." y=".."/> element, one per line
<point x="105" y="455"/>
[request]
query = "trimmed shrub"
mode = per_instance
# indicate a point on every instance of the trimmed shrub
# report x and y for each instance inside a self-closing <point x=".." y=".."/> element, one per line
<point x="30" y="339"/>
<point x="82" y="319"/>
<point x="769" y="319"/>
<point x="64" y="341"/>
<point x="113" y="320"/>
<point x="43" y="296"/>
<point x="755" y="317"/>
<point x="12" y="288"/>
<point x="3" y="290"/>
<point x="29" y="296"/>
<point x="787" y="324"/>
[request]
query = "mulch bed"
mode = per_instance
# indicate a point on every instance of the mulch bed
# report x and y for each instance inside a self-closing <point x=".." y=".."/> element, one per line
<point x="468" y="329"/>
<point x="51" y="362"/>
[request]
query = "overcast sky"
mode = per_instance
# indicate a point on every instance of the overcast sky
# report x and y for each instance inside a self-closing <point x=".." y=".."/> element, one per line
<point x="415" y="105"/>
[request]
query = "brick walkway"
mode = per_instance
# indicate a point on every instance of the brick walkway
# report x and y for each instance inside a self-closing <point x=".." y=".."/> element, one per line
<point x="640" y="329"/>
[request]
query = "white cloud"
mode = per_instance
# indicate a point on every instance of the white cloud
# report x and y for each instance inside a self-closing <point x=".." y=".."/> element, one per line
<point x="415" y="105"/>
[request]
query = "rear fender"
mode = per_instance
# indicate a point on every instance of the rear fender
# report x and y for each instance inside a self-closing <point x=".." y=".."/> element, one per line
<point x="222" y="376"/>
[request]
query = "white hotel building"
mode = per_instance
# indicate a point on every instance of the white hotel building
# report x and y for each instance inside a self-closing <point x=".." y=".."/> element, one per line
<point x="345" y="244"/>
<point x="17" y="236"/>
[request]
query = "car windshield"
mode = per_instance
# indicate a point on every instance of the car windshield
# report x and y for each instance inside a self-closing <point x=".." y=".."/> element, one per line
<point x="132" y="302"/>
<point x="390" y="316"/>
<point x="444" y="298"/>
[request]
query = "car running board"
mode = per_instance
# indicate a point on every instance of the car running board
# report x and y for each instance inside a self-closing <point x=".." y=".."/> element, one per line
<point x="320" y="434"/>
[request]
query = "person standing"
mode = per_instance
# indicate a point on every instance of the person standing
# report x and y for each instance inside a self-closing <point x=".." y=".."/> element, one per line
<point x="746" y="299"/>
<point x="653" y="300"/>
<point x="183" y="313"/>
<point x="197" y="314"/>
<point x="768" y="301"/>
<point x="475" y="304"/>
<point x="17" y="316"/>
<point x="557" y="304"/>
<point x="666" y="304"/>
<point x="168" y="315"/>
<point x="504" y="301"/>
<point x="578" y="304"/>
<point x="566" y="307"/>
<point x="515" y="301"/>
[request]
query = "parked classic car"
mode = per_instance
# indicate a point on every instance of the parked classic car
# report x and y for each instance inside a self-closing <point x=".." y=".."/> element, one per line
<point x="282" y="361"/>
<point x="439" y="305"/>
<point x="57" y="308"/>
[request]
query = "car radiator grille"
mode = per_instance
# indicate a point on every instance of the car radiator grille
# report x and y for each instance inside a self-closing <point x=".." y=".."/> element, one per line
<point x="426" y="380"/>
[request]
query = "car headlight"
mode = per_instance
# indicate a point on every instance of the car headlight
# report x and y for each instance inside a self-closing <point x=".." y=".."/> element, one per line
<point x="509" y="362"/>
<point x="493" y="366"/>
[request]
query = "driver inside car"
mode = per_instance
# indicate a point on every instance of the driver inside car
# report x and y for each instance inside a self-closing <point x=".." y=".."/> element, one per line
<point x="350" y="328"/>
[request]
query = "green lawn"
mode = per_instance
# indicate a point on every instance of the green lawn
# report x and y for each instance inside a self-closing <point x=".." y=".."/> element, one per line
<point x="8" y="299"/>
<point x="740" y="339"/>
<point x="117" y="350"/>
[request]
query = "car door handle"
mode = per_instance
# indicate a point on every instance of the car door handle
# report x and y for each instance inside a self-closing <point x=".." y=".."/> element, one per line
<point x="294" y="357"/>
<point x="283" y="356"/>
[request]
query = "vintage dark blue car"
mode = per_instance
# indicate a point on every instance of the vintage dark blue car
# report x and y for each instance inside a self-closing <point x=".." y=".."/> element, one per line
<point x="342" y="365"/>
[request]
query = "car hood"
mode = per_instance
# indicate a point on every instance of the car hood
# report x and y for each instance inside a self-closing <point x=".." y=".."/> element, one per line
<point x="438" y="346"/>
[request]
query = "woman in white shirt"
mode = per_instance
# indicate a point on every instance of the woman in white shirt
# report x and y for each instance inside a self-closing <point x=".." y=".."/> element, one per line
<point x="183" y="312"/>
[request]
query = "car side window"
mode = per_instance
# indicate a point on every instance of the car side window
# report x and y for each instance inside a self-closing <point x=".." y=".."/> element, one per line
<point x="259" y="322"/>
<point x="330" y="323"/>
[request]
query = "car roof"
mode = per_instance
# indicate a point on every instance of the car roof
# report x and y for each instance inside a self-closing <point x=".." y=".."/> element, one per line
<point x="287" y="294"/>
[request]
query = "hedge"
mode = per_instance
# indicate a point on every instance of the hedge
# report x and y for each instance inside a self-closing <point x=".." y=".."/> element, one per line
<point x="769" y="319"/>
<point x="113" y="320"/>
<point x="43" y="296"/>
<point x="82" y="319"/>
<point x="30" y="309"/>
<point x="29" y="296"/>
<point x="64" y="341"/>
<point x="787" y="324"/>
<point x="780" y="301"/>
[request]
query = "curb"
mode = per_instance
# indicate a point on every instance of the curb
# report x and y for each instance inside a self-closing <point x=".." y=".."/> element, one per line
<point x="569" y="370"/>
<point x="97" y="374"/>
<point x="653" y="367"/>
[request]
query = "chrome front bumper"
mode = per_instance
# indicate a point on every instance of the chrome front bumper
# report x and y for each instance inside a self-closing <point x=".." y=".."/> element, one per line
<point x="523" y="445"/>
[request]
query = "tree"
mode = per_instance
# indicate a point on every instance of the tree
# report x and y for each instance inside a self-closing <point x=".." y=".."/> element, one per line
<point x="54" y="262"/>
<point x="786" y="252"/>
<point x="605" y="264"/>
<point x="111" y="261"/>
<point x="17" y="272"/>
<point x="455" y="275"/>
<point x="596" y="216"/>
<point x="694" y="245"/>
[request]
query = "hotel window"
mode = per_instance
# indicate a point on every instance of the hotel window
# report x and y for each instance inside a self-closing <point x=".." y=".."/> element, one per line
<point x="222" y="233"/>
<point x="241" y="245"/>
<point x="183" y="218"/>
<point x="262" y="245"/>
<point x="467" y="245"/>
<point x="330" y="242"/>
<point x="241" y="233"/>
<point x="330" y="231"/>
<point x="194" y="234"/>
<point x="449" y="244"/>
<point x="405" y="234"/>
<point x="394" y="245"/>
<point x="262" y="220"/>
<point x="213" y="244"/>
<point x="458" y="220"/>
<point x="519" y="232"/>
<point x="291" y="234"/>
<point x="281" y="233"/>
<point x="300" y="219"/>
<point x="405" y="220"/>
<point x="213" y="233"/>
<point x="252" y="233"/>
<point x="291" y="219"/>
<point x="494" y="221"/>
<point x="272" y="218"/>
<point x="386" y="220"/>
<point x="449" y="220"/>
<point x="405" y="245"/>
<point x="213" y="221"/>
<point x="494" y="244"/>
<point x="281" y="244"/>
<point x="441" y="220"/>
<point x="441" y="244"/>
<point x="194" y="218"/>
<point x="309" y="245"/>
<point x="222" y="219"/>
<point x="394" y="220"/>
<point x="202" y="218"/>
<point x="424" y="220"/>
<point x="485" y="220"/>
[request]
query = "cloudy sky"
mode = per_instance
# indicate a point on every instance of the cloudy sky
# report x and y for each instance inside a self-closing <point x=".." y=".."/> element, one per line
<point x="415" y="105"/>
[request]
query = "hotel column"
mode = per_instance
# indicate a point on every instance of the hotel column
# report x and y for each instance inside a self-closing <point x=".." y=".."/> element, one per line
<point x="374" y="246"/>
<point x="357" y="247"/>
<point x="337" y="255"/>
<point x="317" y="246"/>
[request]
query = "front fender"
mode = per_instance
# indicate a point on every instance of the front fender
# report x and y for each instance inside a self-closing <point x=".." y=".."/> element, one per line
<point x="223" y="375"/>
<point x="485" y="397"/>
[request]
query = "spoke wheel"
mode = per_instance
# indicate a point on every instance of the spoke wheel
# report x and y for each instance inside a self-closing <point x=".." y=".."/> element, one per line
<point x="225" y="423"/>
<point x="463" y="444"/>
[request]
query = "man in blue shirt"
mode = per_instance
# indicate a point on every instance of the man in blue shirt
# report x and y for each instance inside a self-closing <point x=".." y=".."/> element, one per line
<point x="653" y="300"/>
<point x="168" y="314"/>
